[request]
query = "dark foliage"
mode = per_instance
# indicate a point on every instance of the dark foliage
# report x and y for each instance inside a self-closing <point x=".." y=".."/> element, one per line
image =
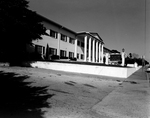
<point x="73" y="59"/>
<point x="53" y="57"/>
<point x="18" y="27"/>
<point x="18" y="100"/>
<point x="63" y="57"/>
<point x="139" y="61"/>
<point x="47" y="52"/>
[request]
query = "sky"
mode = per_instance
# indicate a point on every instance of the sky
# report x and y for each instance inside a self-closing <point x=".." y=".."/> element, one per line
<point x="120" y="23"/>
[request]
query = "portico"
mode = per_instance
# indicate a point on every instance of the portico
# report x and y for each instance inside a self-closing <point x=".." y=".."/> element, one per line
<point x="93" y="47"/>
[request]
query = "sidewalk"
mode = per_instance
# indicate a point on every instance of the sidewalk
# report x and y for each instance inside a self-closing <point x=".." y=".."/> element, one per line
<point x="130" y="100"/>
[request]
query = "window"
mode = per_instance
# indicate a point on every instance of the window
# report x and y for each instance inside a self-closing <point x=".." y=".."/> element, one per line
<point x="82" y="56"/>
<point x="53" y="34"/>
<point x="77" y="55"/>
<point x="82" y="44"/>
<point x="71" y="40"/>
<point x="43" y="50"/>
<point x="71" y="55"/>
<point x="63" y="53"/>
<point x="87" y="46"/>
<point x="78" y="43"/>
<point x="38" y="49"/>
<point x="63" y="37"/>
<point x="53" y="51"/>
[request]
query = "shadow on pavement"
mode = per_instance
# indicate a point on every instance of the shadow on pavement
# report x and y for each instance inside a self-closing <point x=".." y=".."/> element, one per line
<point x="18" y="99"/>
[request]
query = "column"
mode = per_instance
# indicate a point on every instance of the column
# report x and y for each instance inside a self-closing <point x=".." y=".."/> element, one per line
<point x="75" y="51"/>
<point x="102" y="52"/>
<point x="93" y="51"/>
<point x="99" y="52"/>
<point x="85" y="48"/>
<point x="90" y="49"/>
<point x="96" y="51"/>
<point x="58" y="44"/>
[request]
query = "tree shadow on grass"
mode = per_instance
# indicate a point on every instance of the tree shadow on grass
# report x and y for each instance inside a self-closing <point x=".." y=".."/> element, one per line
<point x="18" y="99"/>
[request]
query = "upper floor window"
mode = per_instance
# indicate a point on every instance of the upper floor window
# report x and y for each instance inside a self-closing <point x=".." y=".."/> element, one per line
<point x="71" y="40"/>
<point x="53" y="34"/>
<point x="63" y="37"/>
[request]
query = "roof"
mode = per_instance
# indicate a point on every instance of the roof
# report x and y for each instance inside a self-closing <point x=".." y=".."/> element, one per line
<point x="115" y="51"/>
<point x="96" y="35"/>
<point x="93" y="35"/>
<point x="108" y="50"/>
<point x="56" y="24"/>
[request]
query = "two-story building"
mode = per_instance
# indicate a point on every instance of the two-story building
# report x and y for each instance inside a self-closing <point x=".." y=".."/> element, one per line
<point x="61" y="41"/>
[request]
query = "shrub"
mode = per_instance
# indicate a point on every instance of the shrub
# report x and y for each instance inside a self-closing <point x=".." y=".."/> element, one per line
<point x="62" y="57"/>
<point x="53" y="57"/>
<point x="73" y="59"/>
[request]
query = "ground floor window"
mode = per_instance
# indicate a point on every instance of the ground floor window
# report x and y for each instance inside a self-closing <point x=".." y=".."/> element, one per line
<point x="78" y="43"/>
<point x="82" y="44"/>
<point x="63" y="53"/>
<point x="77" y="55"/>
<point x="52" y="51"/>
<point x="71" y="55"/>
<point x="43" y="50"/>
<point x="82" y="56"/>
<point x="39" y="49"/>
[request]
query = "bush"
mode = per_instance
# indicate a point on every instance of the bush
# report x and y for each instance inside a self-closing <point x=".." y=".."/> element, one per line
<point x="132" y="61"/>
<point x="53" y="57"/>
<point x="35" y="57"/>
<point x="62" y="57"/>
<point x="73" y="59"/>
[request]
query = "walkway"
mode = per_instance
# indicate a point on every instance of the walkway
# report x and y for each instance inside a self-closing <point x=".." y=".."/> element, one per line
<point x="131" y="99"/>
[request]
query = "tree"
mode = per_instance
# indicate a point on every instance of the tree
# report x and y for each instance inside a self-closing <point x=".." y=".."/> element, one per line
<point x="47" y="52"/>
<point x="130" y="55"/>
<point x="19" y="26"/>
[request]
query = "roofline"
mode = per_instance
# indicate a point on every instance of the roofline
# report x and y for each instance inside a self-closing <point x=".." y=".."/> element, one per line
<point x="88" y="33"/>
<point x="62" y="27"/>
<point x="97" y="34"/>
<point x="108" y="49"/>
<point x="50" y="21"/>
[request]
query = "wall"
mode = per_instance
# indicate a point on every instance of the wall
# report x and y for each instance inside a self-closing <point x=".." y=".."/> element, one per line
<point x="52" y="42"/>
<point x="110" y="71"/>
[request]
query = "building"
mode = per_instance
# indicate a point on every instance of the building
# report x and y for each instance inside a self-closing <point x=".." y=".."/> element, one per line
<point x="106" y="50"/>
<point x="61" y="41"/>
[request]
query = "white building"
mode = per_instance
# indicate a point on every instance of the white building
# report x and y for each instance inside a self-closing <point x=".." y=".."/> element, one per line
<point x="85" y="46"/>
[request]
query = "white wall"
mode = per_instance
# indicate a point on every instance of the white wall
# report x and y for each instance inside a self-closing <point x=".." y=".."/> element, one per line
<point x="120" y="72"/>
<point x="52" y="42"/>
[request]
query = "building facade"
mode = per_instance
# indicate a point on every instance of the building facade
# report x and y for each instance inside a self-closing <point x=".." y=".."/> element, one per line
<point x="63" y="42"/>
